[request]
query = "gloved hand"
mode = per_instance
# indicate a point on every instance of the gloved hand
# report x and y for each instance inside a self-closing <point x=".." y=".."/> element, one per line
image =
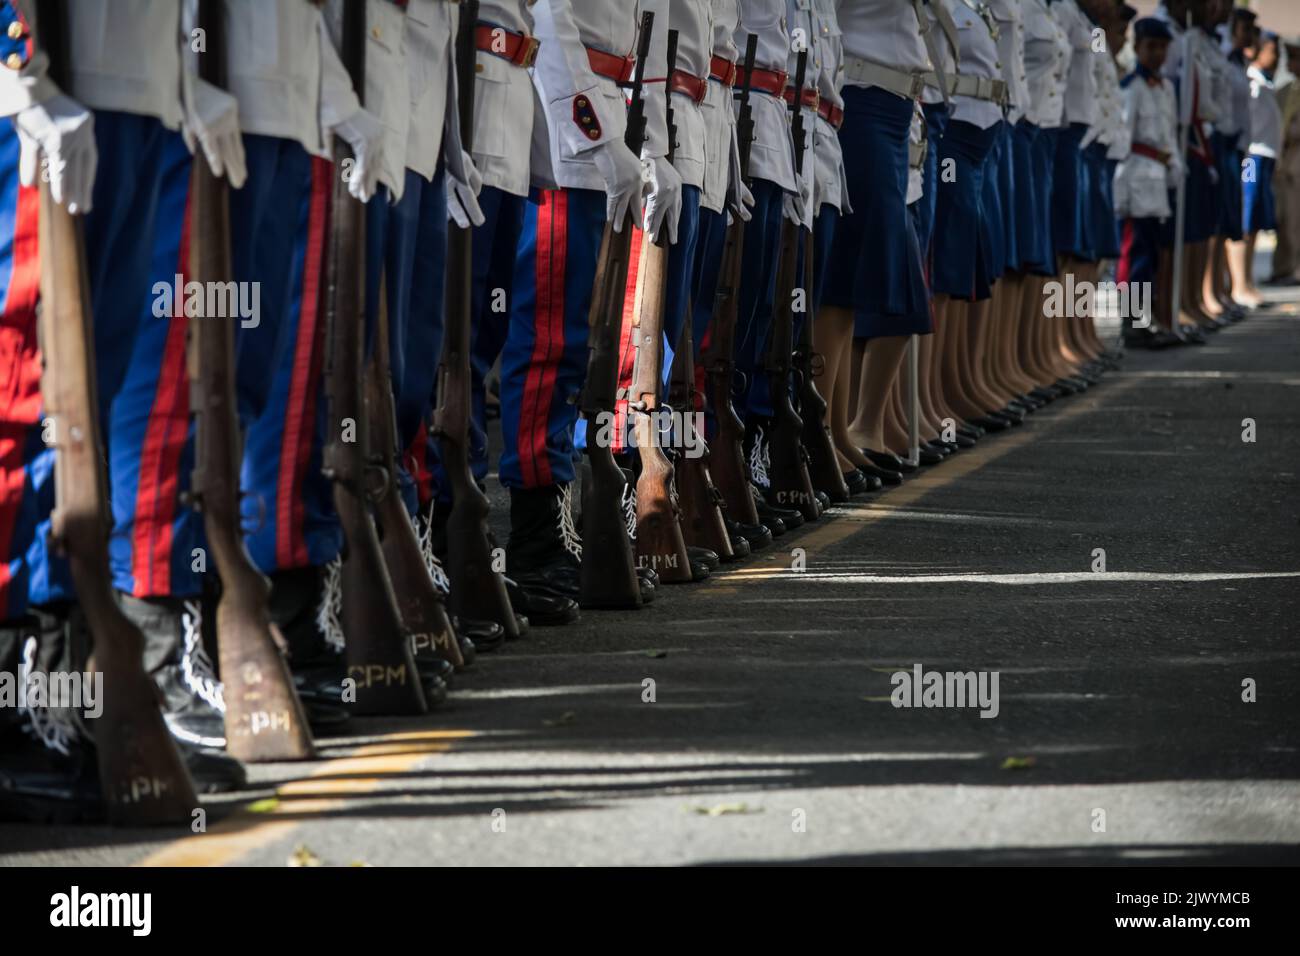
<point x="365" y="134"/>
<point x="625" y="186"/>
<point x="1176" y="171"/>
<point x="212" y="118"/>
<point x="797" y="206"/>
<point x="664" y="207"/>
<point x="740" y="200"/>
<point x="64" y="131"/>
<point x="462" y="196"/>
<point x="1214" y="175"/>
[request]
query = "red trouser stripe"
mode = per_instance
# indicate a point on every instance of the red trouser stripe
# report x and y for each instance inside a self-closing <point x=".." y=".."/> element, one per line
<point x="300" y="413"/>
<point x="164" y="440"/>
<point x="548" y="338"/>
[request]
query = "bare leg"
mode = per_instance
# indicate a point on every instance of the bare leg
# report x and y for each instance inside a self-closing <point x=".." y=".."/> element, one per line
<point x="835" y="341"/>
<point x="881" y="361"/>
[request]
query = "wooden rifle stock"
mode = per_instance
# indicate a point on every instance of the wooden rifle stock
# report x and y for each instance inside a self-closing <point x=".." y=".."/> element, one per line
<point x="727" y="463"/>
<point x="264" y="717"/>
<point x="418" y="600"/>
<point x="659" y="542"/>
<point x="143" y="778"/>
<point x="477" y="589"/>
<point x="788" y="469"/>
<point x="700" y="500"/>
<point x="377" y="646"/>
<point x="607" y="576"/>
<point x="823" y="466"/>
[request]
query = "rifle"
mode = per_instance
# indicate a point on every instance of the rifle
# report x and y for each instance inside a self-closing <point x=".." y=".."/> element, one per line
<point x="477" y="589"/>
<point x="823" y="465"/>
<point x="607" y="577"/>
<point x="141" y="773"/>
<point x="659" y="543"/>
<point x="788" y="471"/>
<point x="729" y="468"/>
<point x="264" y="718"/>
<point x="378" y="648"/>
<point x="418" y="599"/>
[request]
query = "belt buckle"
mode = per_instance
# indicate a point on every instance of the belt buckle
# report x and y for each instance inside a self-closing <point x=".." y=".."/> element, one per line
<point x="526" y="55"/>
<point x="917" y="85"/>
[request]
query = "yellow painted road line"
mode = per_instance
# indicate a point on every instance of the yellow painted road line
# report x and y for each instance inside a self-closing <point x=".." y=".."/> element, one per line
<point x="853" y="517"/>
<point x="327" y="788"/>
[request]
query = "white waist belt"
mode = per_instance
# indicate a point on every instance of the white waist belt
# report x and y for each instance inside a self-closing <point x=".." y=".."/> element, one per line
<point x="980" y="88"/>
<point x="865" y="73"/>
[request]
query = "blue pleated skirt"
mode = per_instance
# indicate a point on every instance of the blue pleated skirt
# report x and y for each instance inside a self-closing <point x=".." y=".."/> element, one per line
<point x="1042" y="158"/>
<point x="936" y="121"/>
<point x="875" y="260"/>
<point x="1070" y="184"/>
<point x="1010" y="189"/>
<point x="992" y="203"/>
<point x="1259" y="210"/>
<point x="963" y="236"/>
<point x="1103" y="229"/>
<point x="1228" y="158"/>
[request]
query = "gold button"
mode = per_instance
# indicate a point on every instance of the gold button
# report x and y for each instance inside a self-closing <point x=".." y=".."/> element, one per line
<point x="374" y="32"/>
<point x="16" y="31"/>
<point x="15" y="61"/>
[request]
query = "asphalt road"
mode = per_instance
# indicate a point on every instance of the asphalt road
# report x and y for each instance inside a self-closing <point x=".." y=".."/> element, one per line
<point x="1121" y="733"/>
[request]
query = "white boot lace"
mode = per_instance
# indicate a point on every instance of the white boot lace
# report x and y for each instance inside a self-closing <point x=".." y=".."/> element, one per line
<point x="43" y="723"/>
<point x="569" y="536"/>
<point x="758" y="460"/>
<point x="331" y="605"/>
<point x="196" y="666"/>
<point x="424" y="531"/>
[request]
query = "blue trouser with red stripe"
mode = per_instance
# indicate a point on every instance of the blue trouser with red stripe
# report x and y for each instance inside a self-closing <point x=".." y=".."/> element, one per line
<point x="495" y="243"/>
<point x="680" y="287"/>
<point x="544" y="363"/>
<point x="137" y="236"/>
<point x="28" y="573"/>
<point x="280" y="219"/>
<point x="408" y="241"/>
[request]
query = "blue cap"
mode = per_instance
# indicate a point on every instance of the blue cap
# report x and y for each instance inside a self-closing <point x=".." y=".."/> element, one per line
<point x="1151" y="28"/>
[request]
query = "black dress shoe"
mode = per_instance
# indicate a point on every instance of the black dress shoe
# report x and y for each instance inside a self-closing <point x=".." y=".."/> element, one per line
<point x="1191" y="335"/>
<point x="971" y="430"/>
<point x="739" y="548"/>
<point x="755" y="535"/>
<point x="704" y="556"/>
<point x="788" y="518"/>
<point x="949" y="448"/>
<point x="213" y="772"/>
<point x="541" y="604"/>
<point x="1011" y="414"/>
<point x="886" y="476"/>
<point x="823" y="501"/>
<point x="469" y="650"/>
<point x="1069" y="386"/>
<point x="1044" y="394"/>
<point x="855" y="481"/>
<point x="992" y="423"/>
<point x="485" y="636"/>
<point x="929" y="456"/>
<point x="888" y="461"/>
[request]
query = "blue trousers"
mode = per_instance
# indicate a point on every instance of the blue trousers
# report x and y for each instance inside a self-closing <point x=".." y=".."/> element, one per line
<point x="495" y="244"/>
<point x="757" y="294"/>
<point x="710" y="239"/>
<point x="544" y="362"/>
<point x="681" y="257"/>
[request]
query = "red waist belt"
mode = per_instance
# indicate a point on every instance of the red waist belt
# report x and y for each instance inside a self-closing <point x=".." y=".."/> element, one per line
<point x="688" y="84"/>
<point x="765" y="81"/>
<point x="1159" y="155"/>
<point x="722" y="70"/>
<point x="515" y="47"/>
<point x="831" y="113"/>
<point x="811" y="98"/>
<point x="613" y="67"/>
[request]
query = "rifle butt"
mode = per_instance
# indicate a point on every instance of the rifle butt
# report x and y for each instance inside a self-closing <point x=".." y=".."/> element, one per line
<point x="659" y="542"/>
<point x="791" y="484"/>
<point x="607" y="576"/>
<point x="823" y="466"/>
<point x="265" y="720"/>
<point x="377" y="648"/>
<point x="702" y="523"/>
<point x="421" y="606"/>
<point x="477" y="589"/>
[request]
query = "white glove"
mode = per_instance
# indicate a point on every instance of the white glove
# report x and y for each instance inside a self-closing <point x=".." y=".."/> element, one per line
<point x="797" y="206"/>
<point x="365" y="134"/>
<point x="64" y="131"/>
<point x="1214" y="175"/>
<point x="462" y="197"/>
<point x="664" y="207"/>
<point x="740" y="200"/>
<point x="625" y="186"/>
<point x="212" y="118"/>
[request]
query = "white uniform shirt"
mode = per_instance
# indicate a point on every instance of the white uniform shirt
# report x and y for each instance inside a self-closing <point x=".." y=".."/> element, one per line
<point x="943" y="36"/>
<point x="1265" y="115"/>
<point x="1080" y="86"/>
<point x="771" y="155"/>
<point x="1238" y="116"/>
<point x="564" y="78"/>
<point x="430" y="35"/>
<point x="1107" y="115"/>
<point x="830" y="80"/>
<point x="693" y="21"/>
<point x="979" y="57"/>
<point x="1011" y="53"/>
<point x="125" y="55"/>
<point x="916" y="174"/>
<point x="1118" y="138"/>
<point x="1047" y="63"/>
<point x="717" y="113"/>
<point x="387" y="93"/>
<point x="885" y="32"/>
<point x="510" y="141"/>
<point x="1142" y="182"/>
